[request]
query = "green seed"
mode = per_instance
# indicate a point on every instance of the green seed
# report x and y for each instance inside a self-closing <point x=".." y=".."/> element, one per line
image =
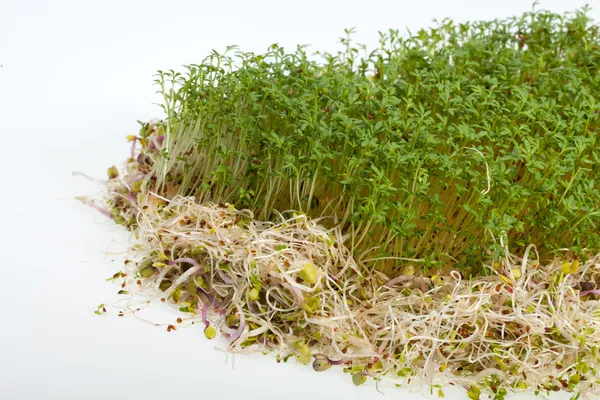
<point x="516" y="273"/>
<point x="147" y="272"/>
<point x="136" y="186"/>
<point x="232" y="320"/>
<point x="112" y="172"/>
<point x="321" y="365"/>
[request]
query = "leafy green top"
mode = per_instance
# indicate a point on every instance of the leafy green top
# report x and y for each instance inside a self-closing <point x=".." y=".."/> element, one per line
<point x="440" y="146"/>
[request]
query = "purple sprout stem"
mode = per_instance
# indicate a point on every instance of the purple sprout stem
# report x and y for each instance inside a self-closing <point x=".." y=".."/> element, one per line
<point x="133" y="147"/>
<point x="211" y="299"/>
<point x="595" y="291"/>
<point x="195" y="264"/>
<point x="154" y="143"/>
<point x="184" y="259"/>
<point x="398" y="279"/>
<point x="224" y="276"/>
<point x="204" y="314"/>
<point x="266" y="342"/>
<point x="240" y="329"/>
<point x="98" y="208"/>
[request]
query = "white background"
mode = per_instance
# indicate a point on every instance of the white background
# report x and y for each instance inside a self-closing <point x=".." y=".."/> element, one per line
<point x="75" y="77"/>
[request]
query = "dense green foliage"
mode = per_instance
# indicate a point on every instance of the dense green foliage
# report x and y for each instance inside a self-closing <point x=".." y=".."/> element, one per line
<point x="396" y="144"/>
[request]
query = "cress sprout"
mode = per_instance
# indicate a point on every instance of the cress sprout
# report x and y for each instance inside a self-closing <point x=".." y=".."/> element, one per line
<point x="425" y="213"/>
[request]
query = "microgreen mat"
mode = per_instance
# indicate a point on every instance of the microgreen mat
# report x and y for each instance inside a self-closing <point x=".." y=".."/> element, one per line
<point x="424" y="212"/>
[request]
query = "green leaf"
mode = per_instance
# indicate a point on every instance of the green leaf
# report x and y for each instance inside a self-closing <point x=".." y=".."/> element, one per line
<point x="473" y="393"/>
<point x="311" y="305"/>
<point x="253" y="294"/>
<point x="359" y="378"/>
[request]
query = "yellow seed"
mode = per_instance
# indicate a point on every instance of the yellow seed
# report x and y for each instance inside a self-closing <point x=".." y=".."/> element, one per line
<point x="566" y="267"/>
<point x="574" y="267"/>
<point x="530" y="309"/>
<point x="210" y="332"/>
<point x="253" y="294"/>
<point x="303" y="358"/>
<point x="131" y="138"/>
<point x="516" y="273"/>
<point x="522" y="385"/>
<point x="443" y="367"/>
<point x="505" y="279"/>
<point x="308" y="273"/>
<point x="408" y="270"/>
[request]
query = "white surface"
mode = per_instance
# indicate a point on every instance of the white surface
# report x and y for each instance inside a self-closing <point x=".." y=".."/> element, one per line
<point x="75" y="76"/>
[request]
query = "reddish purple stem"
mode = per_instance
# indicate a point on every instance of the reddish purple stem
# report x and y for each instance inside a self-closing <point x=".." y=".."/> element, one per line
<point x="204" y="314"/>
<point x="595" y="291"/>
<point x="211" y="300"/>
<point x="159" y="140"/>
<point x="133" y="147"/>
<point x="184" y="259"/>
<point x="224" y="276"/>
<point x="98" y="208"/>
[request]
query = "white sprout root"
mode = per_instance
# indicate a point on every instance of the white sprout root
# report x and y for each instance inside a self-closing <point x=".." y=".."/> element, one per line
<point x="292" y="287"/>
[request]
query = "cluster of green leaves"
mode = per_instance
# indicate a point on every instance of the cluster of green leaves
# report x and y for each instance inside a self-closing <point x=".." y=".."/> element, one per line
<point x="397" y="143"/>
